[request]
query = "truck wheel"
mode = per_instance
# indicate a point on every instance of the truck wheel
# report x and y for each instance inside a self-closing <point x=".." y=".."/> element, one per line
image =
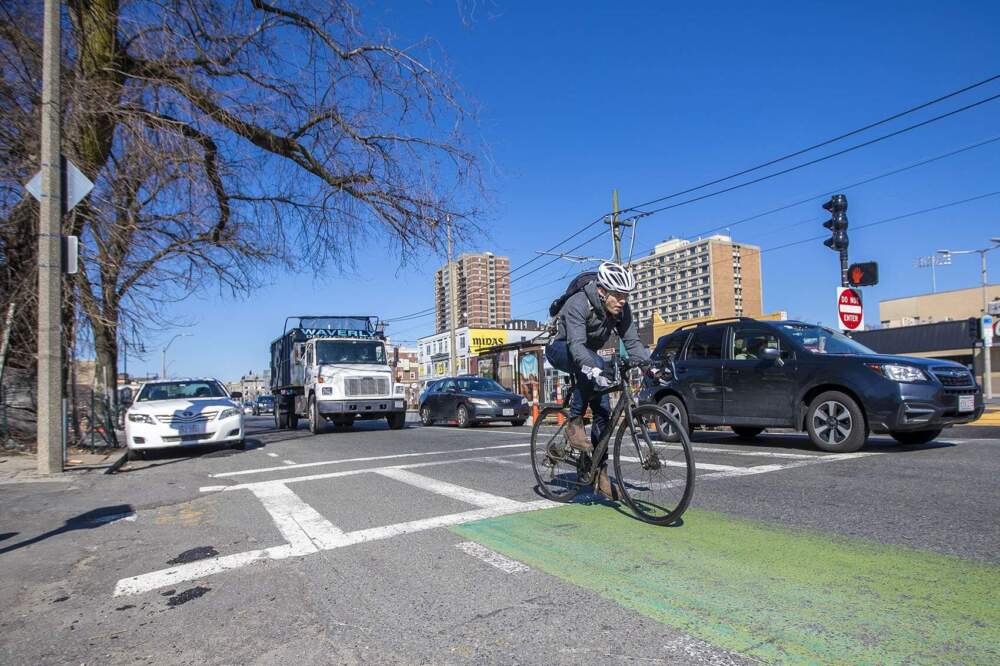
<point x="317" y="424"/>
<point x="463" y="417"/>
<point x="280" y="417"/>
<point x="835" y="423"/>
<point x="396" y="421"/>
<point x="916" y="437"/>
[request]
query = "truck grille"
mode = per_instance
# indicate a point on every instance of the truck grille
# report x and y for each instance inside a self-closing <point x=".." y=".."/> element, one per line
<point x="951" y="377"/>
<point x="360" y="386"/>
<point x="180" y="419"/>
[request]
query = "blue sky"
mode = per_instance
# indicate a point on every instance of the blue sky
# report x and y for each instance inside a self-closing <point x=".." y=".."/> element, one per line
<point x="576" y="99"/>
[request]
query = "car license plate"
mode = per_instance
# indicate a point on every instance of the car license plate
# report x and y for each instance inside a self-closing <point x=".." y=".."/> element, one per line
<point x="508" y="412"/>
<point x="190" y="429"/>
<point x="966" y="403"/>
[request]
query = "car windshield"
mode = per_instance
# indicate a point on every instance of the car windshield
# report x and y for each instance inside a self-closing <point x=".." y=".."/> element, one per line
<point x="819" y="340"/>
<point x="343" y="351"/>
<point x="180" y="391"/>
<point x="477" y="384"/>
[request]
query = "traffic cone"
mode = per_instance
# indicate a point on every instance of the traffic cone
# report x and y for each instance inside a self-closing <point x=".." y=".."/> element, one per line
<point x="534" y="413"/>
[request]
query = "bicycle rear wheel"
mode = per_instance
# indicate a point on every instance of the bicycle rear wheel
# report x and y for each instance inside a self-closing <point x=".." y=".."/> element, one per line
<point x="552" y="460"/>
<point x="655" y="476"/>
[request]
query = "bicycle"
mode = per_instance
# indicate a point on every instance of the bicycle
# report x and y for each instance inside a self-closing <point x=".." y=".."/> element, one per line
<point x="643" y="457"/>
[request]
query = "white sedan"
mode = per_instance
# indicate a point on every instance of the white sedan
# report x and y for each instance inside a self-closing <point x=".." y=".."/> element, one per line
<point x="183" y="412"/>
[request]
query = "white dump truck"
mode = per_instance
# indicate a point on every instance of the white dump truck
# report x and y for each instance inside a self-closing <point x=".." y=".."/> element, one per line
<point x="334" y="369"/>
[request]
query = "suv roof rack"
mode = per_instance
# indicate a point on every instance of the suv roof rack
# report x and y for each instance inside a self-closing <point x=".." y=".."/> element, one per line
<point x="713" y="321"/>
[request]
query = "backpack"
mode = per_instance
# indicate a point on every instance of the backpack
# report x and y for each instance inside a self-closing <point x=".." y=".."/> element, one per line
<point x="578" y="283"/>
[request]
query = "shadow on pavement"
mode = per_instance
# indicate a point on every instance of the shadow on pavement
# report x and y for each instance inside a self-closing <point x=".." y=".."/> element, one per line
<point x="85" y="521"/>
<point x="150" y="458"/>
<point x="793" y="441"/>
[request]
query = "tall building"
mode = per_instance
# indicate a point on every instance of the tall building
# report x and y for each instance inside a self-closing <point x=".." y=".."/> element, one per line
<point x="482" y="295"/>
<point x="711" y="277"/>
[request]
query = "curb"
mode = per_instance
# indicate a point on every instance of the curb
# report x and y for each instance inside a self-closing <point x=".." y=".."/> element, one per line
<point x="116" y="465"/>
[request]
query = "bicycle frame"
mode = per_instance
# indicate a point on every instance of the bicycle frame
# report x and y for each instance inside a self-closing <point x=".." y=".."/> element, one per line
<point x="622" y="407"/>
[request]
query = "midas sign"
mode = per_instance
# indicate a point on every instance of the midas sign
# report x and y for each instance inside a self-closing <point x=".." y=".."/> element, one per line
<point x="483" y="338"/>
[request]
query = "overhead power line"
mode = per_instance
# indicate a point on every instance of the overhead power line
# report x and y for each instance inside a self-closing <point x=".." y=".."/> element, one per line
<point x="782" y="158"/>
<point x="763" y="165"/>
<point x="858" y="227"/>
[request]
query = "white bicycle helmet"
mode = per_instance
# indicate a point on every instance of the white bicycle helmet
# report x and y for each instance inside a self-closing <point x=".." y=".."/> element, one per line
<point x="615" y="277"/>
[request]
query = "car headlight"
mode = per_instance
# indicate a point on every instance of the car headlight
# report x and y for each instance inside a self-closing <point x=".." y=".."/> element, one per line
<point x="480" y="402"/>
<point x="899" y="373"/>
<point x="141" y="418"/>
<point x="226" y="413"/>
<point x="524" y="401"/>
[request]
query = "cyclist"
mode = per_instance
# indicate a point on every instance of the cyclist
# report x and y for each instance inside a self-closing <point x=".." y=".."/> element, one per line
<point x="584" y="324"/>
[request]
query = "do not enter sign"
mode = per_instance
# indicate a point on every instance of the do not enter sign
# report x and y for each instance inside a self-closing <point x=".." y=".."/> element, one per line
<point x="850" y="313"/>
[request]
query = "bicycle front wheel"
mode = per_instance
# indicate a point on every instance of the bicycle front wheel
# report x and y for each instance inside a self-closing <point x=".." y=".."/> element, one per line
<point x="655" y="476"/>
<point x="552" y="460"/>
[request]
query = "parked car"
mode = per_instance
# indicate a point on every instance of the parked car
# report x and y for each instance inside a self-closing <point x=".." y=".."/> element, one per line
<point x="248" y="407"/>
<point x="183" y="412"/>
<point x="263" y="405"/>
<point x="751" y="375"/>
<point x="470" y="400"/>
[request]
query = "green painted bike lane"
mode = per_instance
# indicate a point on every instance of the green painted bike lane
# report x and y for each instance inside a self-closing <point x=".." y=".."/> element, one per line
<point x="769" y="592"/>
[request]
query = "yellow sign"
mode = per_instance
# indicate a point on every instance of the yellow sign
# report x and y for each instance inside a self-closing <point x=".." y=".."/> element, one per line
<point x="481" y="339"/>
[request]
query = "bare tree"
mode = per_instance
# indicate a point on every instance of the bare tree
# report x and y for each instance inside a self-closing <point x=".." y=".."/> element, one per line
<point x="227" y="139"/>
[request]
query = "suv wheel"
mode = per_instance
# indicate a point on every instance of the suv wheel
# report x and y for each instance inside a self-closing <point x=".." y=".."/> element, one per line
<point x="425" y="416"/>
<point x="917" y="437"/>
<point x="747" y="432"/>
<point x="675" y="407"/>
<point x="835" y="423"/>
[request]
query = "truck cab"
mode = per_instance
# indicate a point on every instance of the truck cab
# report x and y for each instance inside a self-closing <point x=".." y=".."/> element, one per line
<point x="335" y="374"/>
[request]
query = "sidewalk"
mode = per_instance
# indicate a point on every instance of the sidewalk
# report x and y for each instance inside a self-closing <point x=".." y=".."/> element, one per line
<point x="23" y="467"/>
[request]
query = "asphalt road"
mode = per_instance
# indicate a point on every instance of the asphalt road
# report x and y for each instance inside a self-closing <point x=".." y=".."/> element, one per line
<point x="429" y="545"/>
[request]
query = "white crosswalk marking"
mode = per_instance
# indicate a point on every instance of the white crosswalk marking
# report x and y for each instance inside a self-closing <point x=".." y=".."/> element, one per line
<point x="306" y="531"/>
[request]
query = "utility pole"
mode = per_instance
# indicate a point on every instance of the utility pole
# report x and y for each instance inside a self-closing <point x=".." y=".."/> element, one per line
<point x="50" y="430"/>
<point x="616" y="227"/>
<point x="452" y="319"/>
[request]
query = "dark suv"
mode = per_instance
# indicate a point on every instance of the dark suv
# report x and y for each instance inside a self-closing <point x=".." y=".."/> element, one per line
<point x="751" y="375"/>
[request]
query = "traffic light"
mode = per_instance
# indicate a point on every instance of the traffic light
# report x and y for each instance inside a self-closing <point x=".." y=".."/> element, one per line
<point x="864" y="274"/>
<point x="837" y="224"/>
<point x="973" y="328"/>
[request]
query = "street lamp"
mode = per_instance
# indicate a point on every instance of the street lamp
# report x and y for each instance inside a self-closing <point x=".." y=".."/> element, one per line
<point x="163" y="355"/>
<point x="987" y="377"/>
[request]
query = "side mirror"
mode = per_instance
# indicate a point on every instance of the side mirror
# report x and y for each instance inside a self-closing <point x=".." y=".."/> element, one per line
<point x="772" y="354"/>
<point x="671" y="364"/>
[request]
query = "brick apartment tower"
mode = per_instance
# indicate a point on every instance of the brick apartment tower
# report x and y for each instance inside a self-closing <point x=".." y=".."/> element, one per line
<point x="482" y="294"/>
<point x="711" y="277"/>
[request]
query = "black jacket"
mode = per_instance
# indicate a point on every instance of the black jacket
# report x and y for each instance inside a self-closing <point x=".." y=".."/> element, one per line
<point x="584" y="324"/>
